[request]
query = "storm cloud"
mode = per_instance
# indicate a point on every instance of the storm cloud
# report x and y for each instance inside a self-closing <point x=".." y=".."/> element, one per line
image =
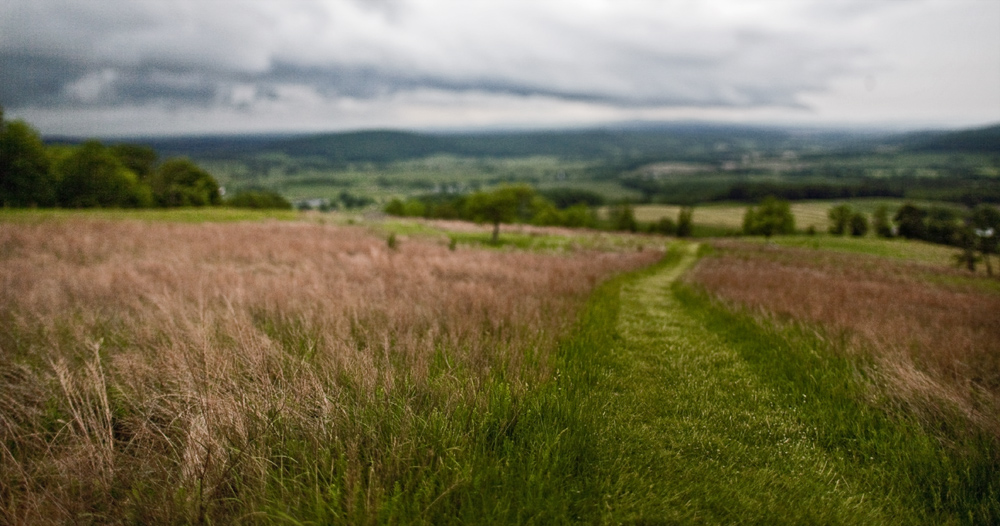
<point x="250" y="55"/>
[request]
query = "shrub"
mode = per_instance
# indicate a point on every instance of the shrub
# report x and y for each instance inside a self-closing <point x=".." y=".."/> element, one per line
<point x="259" y="199"/>
<point x="840" y="217"/>
<point x="91" y="176"/>
<point x="859" y="225"/>
<point x="880" y="220"/>
<point x="180" y="182"/>
<point x="26" y="177"/>
<point x="773" y="216"/>
<point x="685" y="224"/>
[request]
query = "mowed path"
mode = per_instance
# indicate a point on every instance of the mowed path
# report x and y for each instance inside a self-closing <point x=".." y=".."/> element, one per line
<point x="692" y="436"/>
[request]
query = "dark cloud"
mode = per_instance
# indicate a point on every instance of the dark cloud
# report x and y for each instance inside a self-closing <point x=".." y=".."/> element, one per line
<point x="135" y="52"/>
<point x="241" y="54"/>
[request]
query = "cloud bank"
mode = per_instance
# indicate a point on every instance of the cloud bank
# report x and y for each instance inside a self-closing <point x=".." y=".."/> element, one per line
<point x="338" y="61"/>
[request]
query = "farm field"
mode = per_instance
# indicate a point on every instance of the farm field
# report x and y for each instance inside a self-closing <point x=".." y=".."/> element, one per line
<point x="338" y="368"/>
<point x="807" y="213"/>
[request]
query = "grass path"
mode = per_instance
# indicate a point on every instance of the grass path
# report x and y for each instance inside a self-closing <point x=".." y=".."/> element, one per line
<point x="693" y="436"/>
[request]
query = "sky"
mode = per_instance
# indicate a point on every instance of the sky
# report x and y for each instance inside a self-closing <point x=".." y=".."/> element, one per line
<point x="171" y="67"/>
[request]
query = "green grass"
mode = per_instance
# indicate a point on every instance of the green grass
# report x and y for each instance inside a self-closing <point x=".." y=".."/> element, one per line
<point x="897" y="248"/>
<point x="685" y="431"/>
<point x="180" y="215"/>
<point x="915" y="475"/>
<point x="669" y="409"/>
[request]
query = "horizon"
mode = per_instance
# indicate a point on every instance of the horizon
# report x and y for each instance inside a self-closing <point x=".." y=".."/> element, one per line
<point x="658" y="126"/>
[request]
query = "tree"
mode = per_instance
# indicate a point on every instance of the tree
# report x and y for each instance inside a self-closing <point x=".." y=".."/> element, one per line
<point x="880" y="220"/>
<point x="91" y="176"/>
<point x="136" y="157"/>
<point x="26" y="177"/>
<point x="579" y="216"/>
<point x="840" y="216"/>
<point x="180" y="182"/>
<point x="773" y="216"/>
<point x="985" y="221"/>
<point x="910" y="221"/>
<point x="395" y="207"/>
<point x="943" y="225"/>
<point x="259" y="199"/>
<point x="622" y="217"/>
<point x="666" y="226"/>
<point x="965" y="239"/>
<point x="685" y="224"/>
<point x="499" y="206"/>
<point x="859" y="225"/>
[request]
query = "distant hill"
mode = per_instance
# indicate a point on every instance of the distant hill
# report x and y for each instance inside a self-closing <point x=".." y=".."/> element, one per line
<point x="625" y="143"/>
<point x="696" y="142"/>
<point x="979" y="140"/>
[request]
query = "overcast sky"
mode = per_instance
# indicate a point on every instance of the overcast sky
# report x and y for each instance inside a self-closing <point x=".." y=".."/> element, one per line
<point x="120" y="67"/>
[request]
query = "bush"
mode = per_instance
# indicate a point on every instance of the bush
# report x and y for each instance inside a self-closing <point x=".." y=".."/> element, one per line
<point x="180" y="182"/>
<point x="259" y="199"/>
<point x="91" y="176"/>
<point x="26" y="177"/>
<point x="840" y="217"/>
<point x="859" y="225"/>
<point x="881" y="223"/>
<point x="773" y="216"/>
<point x="685" y="224"/>
<point x="622" y="217"/>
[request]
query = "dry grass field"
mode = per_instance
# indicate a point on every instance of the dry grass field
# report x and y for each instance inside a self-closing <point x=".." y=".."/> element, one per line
<point x="933" y="332"/>
<point x="178" y="373"/>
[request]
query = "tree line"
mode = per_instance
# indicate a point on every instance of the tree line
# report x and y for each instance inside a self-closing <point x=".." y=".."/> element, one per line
<point x="91" y="174"/>
<point x="523" y="204"/>
<point x="975" y="232"/>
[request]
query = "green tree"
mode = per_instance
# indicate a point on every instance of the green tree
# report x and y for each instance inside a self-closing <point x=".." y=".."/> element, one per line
<point x="666" y="226"/>
<point x="943" y="225"/>
<point x="965" y="239"/>
<point x="910" y="220"/>
<point x="685" y="223"/>
<point x="259" y="199"/>
<point x="772" y="216"/>
<point x="859" y="225"/>
<point x="499" y="206"/>
<point x="880" y="220"/>
<point x="622" y="217"/>
<point x="546" y="214"/>
<point x="91" y="176"/>
<point x="395" y="207"/>
<point x="139" y="158"/>
<point x="180" y="182"/>
<point x="985" y="221"/>
<point x="26" y="177"/>
<point x="840" y="217"/>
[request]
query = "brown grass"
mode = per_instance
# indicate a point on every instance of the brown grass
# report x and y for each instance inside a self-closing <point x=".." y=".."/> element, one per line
<point x="936" y="346"/>
<point x="148" y="372"/>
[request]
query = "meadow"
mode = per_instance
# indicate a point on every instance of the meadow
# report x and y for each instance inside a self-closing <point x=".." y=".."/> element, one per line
<point x="166" y="372"/>
<point x="202" y="366"/>
<point x="931" y="331"/>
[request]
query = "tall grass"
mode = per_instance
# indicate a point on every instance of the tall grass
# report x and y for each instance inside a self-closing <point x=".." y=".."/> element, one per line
<point x="933" y="334"/>
<point x="259" y="372"/>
